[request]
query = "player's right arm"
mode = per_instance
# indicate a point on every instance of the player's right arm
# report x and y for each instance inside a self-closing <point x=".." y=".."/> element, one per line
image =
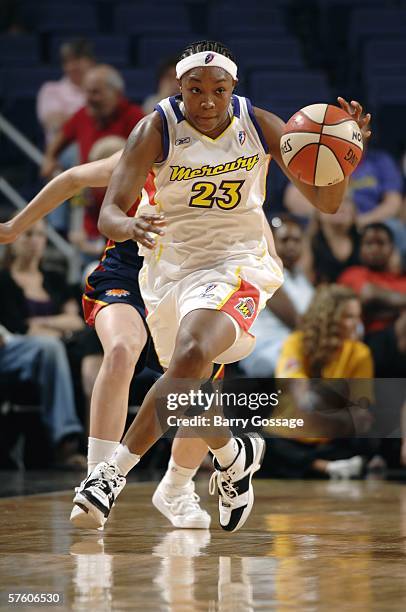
<point x="61" y="188"/>
<point x="143" y="149"/>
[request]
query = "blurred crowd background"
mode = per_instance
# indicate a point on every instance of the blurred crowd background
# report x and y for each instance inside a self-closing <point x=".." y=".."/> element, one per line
<point x="74" y="80"/>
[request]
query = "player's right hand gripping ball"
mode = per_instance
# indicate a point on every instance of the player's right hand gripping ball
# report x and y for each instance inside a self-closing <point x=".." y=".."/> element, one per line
<point x="321" y="144"/>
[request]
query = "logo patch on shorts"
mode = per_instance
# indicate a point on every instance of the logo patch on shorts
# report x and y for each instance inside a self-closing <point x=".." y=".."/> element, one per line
<point x="246" y="307"/>
<point x="209" y="58"/>
<point x="208" y="291"/>
<point x="117" y="293"/>
<point x="241" y="137"/>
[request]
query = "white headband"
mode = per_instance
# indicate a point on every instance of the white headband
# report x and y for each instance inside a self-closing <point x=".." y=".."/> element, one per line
<point x="203" y="59"/>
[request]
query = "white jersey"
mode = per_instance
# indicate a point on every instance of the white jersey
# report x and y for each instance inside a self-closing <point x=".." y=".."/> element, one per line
<point x="211" y="191"/>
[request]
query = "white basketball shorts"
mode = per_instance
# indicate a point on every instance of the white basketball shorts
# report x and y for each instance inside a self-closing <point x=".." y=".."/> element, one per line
<point x="239" y="289"/>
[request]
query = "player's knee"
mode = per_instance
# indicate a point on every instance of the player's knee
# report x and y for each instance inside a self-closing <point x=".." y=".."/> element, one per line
<point x="122" y="355"/>
<point x="190" y="359"/>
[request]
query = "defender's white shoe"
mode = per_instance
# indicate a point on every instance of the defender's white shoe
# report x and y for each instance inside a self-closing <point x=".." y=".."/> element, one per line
<point x="181" y="506"/>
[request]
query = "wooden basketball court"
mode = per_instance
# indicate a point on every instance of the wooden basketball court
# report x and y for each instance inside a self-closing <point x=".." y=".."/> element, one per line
<point x="307" y="546"/>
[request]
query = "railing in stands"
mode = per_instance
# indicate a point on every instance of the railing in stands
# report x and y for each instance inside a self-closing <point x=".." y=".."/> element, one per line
<point x="31" y="151"/>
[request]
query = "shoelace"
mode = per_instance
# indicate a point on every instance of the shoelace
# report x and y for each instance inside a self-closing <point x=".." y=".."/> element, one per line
<point x="107" y="476"/>
<point x="224" y="483"/>
<point x="188" y="501"/>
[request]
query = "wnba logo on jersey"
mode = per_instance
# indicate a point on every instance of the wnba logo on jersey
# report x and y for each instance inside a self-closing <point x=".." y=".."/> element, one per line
<point x="246" y="307"/>
<point x="241" y="137"/>
<point x="209" y="58"/>
<point x="117" y="293"/>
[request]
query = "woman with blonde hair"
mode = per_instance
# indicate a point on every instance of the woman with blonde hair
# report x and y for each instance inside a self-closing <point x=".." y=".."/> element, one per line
<point x="326" y="347"/>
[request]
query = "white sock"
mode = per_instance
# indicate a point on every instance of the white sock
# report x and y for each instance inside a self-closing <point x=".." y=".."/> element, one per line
<point x="227" y="453"/>
<point x="178" y="476"/>
<point x="124" y="459"/>
<point x="99" y="450"/>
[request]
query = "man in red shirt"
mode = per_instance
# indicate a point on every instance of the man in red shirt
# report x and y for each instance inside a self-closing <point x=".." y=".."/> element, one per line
<point x="383" y="296"/>
<point x="107" y="113"/>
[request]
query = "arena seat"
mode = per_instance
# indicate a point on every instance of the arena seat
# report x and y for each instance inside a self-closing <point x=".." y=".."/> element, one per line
<point x="21" y="50"/>
<point x="152" y="50"/>
<point x="139" y="83"/>
<point x="283" y="53"/>
<point x="227" y="19"/>
<point x="367" y="24"/>
<point x="48" y="16"/>
<point x="109" y="49"/>
<point x="142" y="18"/>
<point x="272" y="89"/>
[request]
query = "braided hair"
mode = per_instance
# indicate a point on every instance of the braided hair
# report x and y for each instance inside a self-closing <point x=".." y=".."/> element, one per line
<point x="207" y="45"/>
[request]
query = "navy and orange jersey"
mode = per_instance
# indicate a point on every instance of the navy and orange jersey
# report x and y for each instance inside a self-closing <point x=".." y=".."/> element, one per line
<point x="115" y="279"/>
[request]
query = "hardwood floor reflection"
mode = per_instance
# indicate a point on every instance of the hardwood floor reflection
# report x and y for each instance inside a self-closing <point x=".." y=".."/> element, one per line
<point x="307" y="546"/>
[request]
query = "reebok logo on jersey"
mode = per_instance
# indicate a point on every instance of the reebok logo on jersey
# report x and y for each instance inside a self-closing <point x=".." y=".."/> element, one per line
<point x="182" y="173"/>
<point x="181" y="141"/>
<point x="246" y="307"/>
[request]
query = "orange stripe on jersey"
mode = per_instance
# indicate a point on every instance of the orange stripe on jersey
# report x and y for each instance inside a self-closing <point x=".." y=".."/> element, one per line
<point x="219" y="375"/>
<point x="90" y="309"/>
<point x="110" y="245"/>
<point x="150" y="188"/>
<point x="242" y="304"/>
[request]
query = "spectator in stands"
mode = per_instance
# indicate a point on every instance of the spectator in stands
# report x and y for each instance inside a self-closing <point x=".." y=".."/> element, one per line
<point x="334" y="243"/>
<point x="282" y="314"/>
<point x="325" y="347"/>
<point x="37" y="311"/>
<point x="59" y="100"/>
<point x="383" y="296"/>
<point x="107" y="112"/>
<point x="167" y="84"/>
<point x="376" y="188"/>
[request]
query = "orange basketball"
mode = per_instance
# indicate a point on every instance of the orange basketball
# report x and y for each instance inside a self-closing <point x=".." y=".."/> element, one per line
<point x="321" y="144"/>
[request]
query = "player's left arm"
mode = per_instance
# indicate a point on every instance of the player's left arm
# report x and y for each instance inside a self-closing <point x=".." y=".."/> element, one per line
<point x="327" y="199"/>
<point x="61" y="188"/>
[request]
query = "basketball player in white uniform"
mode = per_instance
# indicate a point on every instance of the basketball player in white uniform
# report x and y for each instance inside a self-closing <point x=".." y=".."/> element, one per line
<point x="206" y="280"/>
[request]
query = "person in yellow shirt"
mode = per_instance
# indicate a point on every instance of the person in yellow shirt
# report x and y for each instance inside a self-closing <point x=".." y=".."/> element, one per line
<point x="326" y="347"/>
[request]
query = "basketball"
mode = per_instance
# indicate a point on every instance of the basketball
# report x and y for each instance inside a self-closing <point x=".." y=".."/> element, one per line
<point x="321" y="145"/>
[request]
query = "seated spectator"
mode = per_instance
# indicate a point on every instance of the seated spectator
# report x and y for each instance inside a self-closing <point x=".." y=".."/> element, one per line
<point x="59" y="100"/>
<point x="334" y="244"/>
<point x="281" y="315"/>
<point x="376" y="188"/>
<point x="107" y="112"/>
<point x="167" y="85"/>
<point x="37" y="311"/>
<point x="325" y="347"/>
<point x="383" y="296"/>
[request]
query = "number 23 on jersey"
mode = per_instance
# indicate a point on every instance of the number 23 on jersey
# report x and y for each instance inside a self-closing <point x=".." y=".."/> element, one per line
<point x="227" y="195"/>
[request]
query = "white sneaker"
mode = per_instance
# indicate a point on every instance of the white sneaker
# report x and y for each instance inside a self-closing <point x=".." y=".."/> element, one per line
<point x="345" y="468"/>
<point x="236" y="495"/>
<point x="181" y="506"/>
<point x="96" y="496"/>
